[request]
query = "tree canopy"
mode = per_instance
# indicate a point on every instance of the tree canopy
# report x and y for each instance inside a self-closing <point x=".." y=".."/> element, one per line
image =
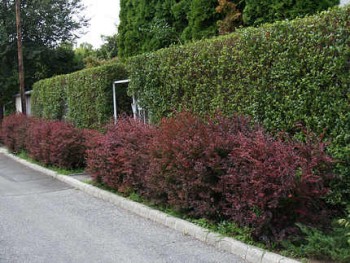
<point x="86" y="56"/>
<point x="148" y="25"/>
<point x="47" y="25"/>
<point x="263" y="11"/>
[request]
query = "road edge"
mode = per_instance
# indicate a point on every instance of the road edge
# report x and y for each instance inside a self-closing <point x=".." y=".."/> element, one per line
<point x="249" y="253"/>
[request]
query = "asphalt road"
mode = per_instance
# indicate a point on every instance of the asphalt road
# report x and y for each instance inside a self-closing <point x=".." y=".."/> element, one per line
<point x="44" y="220"/>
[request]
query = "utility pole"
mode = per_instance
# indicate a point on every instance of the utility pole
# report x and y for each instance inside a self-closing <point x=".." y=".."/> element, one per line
<point x="20" y="57"/>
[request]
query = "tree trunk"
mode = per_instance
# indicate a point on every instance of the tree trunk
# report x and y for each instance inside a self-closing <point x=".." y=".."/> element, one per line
<point x="20" y="57"/>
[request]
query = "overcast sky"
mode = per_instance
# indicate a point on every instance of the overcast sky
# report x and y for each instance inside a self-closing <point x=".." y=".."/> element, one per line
<point x="342" y="2"/>
<point x="104" y="17"/>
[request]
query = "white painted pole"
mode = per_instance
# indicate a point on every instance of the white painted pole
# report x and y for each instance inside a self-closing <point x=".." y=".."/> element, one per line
<point x="115" y="97"/>
<point x="114" y="104"/>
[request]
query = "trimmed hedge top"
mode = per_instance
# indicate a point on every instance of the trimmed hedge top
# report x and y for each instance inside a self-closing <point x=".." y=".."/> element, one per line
<point x="280" y="74"/>
<point x="83" y="98"/>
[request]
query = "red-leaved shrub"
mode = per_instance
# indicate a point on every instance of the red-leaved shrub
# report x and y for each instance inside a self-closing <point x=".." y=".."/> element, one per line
<point x="271" y="184"/>
<point x="120" y="157"/>
<point x="56" y="143"/>
<point x="14" y="128"/>
<point x="188" y="157"/>
<point x="224" y="168"/>
<point x="214" y="167"/>
<point x="91" y="138"/>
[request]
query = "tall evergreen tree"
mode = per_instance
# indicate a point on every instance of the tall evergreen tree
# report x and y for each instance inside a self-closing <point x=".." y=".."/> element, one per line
<point x="129" y="40"/>
<point x="263" y="11"/>
<point x="180" y="10"/>
<point x="147" y="25"/>
<point x="153" y="24"/>
<point x="202" y="18"/>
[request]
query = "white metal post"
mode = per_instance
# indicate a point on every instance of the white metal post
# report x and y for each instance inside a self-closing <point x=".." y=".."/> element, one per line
<point x="134" y="107"/>
<point x="114" y="104"/>
<point x="115" y="97"/>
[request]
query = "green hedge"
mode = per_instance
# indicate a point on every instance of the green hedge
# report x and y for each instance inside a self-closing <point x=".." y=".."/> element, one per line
<point x="83" y="98"/>
<point x="281" y="74"/>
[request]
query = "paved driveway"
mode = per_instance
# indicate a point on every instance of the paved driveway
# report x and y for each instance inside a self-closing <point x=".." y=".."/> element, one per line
<point x="44" y="220"/>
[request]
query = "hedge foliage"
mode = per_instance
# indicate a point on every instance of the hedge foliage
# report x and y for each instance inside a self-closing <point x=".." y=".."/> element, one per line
<point x="83" y="98"/>
<point x="280" y="74"/>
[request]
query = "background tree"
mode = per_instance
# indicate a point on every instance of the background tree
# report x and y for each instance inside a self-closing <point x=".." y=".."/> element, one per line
<point x="109" y="48"/>
<point x="150" y="25"/>
<point x="232" y="13"/>
<point x="86" y="56"/>
<point x="46" y="25"/>
<point x="202" y="18"/>
<point x="145" y="25"/>
<point x="263" y="11"/>
<point x="129" y="38"/>
<point x="83" y="53"/>
<point x="157" y="28"/>
<point x="179" y="11"/>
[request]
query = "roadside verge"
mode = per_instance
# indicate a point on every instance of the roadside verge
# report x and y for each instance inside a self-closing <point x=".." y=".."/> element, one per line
<point x="247" y="252"/>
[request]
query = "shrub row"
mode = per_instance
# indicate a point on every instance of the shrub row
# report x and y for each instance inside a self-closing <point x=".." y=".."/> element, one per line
<point x="217" y="168"/>
<point x="50" y="142"/>
<point x="83" y="98"/>
<point x="280" y="74"/>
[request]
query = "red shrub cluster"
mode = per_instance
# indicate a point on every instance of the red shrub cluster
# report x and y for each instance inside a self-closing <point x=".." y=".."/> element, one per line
<point x="188" y="157"/>
<point x="120" y="158"/>
<point x="56" y="143"/>
<point x="91" y="138"/>
<point x="13" y="133"/>
<point x="225" y="168"/>
<point x="37" y="144"/>
<point x="216" y="168"/>
<point x="50" y="142"/>
<point x="271" y="184"/>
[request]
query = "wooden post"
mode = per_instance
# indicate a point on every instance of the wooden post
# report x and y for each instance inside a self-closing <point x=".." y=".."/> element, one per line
<point x="20" y="57"/>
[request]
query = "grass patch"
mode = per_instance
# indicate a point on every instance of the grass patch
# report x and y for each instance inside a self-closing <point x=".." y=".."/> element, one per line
<point x="87" y="181"/>
<point x="23" y="155"/>
<point x="224" y="228"/>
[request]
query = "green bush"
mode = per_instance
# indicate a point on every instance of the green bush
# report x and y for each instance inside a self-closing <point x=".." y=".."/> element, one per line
<point x="328" y="246"/>
<point x="83" y="98"/>
<point x="281" y="74"/>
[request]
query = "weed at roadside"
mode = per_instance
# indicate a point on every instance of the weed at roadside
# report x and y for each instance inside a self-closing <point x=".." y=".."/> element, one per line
<point x="25" y="156"/>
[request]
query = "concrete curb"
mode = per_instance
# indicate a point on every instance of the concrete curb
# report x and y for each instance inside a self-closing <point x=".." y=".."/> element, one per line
<point x="247" y="252"/>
